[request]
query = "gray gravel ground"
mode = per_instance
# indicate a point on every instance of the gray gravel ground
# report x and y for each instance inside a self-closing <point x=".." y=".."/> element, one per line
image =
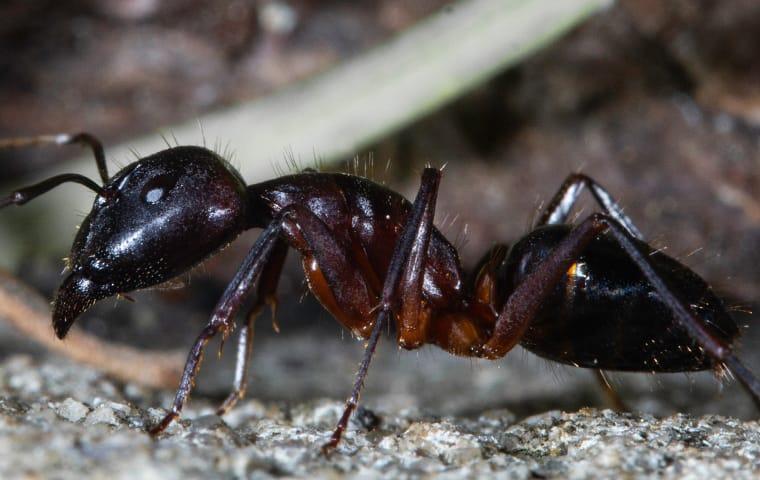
<point x="439" y="416"/>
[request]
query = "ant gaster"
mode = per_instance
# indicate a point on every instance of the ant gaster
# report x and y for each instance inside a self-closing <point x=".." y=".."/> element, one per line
<point x="593" y="295"/>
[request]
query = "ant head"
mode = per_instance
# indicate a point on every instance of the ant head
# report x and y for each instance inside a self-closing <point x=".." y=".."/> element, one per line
<point x="154" y="220"/>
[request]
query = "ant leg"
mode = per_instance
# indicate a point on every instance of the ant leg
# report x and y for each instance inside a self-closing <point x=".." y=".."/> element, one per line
<point x="559" y="207"/>
<point x="23" y="195"/>
<point x="224" y="311"/>
<point x="265" y="295"/>
<point x="612" y="397"/>
<point x="413" y="316"/>
<point x="242" y="360"/>
<point x="85" y="139"/>
<point x="406" y="263"/>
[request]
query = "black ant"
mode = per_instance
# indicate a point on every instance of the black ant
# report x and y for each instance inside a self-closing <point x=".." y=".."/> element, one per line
<point x="593" y="295"/>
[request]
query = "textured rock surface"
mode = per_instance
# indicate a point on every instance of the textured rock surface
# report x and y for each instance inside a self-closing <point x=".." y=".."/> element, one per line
<point x="59" y="419"/>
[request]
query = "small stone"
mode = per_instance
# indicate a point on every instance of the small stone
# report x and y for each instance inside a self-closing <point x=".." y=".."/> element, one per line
<point x="249" y="410"/>
<point x="498" y="418"/>
<point x="120" y="407"/>
<point x="102" y="414"/>
<point x="323" y="413"/>
<point x="72" y="410"/>
<point x="440" y="440"/>
<point x="544" y="420"/>
<point x="204" y="423"/>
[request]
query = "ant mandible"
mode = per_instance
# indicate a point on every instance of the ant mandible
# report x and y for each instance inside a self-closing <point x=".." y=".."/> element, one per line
<point x="593" y="295"/>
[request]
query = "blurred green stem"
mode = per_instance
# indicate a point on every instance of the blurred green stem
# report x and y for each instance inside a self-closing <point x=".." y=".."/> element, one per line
<point x="357" y="103"/>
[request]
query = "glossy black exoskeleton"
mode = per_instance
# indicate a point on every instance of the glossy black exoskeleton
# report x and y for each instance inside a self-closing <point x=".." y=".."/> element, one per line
<point x="602" y="315"/>
<point x="152" y="221"/>
<point x="593" y="295"/>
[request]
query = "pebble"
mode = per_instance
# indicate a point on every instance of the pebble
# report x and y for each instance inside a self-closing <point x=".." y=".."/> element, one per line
<point x="72" y="410"/>
<point x="102" y="414"/>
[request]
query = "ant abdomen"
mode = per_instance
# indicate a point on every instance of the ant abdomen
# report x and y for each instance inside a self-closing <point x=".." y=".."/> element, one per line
<point x="602" y="314"/>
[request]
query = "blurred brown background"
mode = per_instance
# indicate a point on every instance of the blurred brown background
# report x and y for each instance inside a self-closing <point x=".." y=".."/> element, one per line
<point x="657" y="100"/>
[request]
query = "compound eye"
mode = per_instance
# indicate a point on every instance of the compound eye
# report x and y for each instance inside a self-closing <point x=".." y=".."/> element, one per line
<point x="157" y="188"/>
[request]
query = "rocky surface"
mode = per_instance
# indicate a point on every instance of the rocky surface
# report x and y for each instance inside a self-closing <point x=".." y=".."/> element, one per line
<point x="61" y="420"/>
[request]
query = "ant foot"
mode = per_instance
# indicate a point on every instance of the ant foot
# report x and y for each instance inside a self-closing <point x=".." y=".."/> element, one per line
<point x="167" y="420"/>
<point x="329" y="447"/>
<point x="229" y="402"/>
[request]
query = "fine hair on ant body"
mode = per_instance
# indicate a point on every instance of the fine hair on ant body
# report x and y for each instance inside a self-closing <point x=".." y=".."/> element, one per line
<point x="593" y="294"/>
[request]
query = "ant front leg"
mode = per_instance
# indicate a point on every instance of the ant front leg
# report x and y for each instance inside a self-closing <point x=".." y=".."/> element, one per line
<point x="225" y="310"/>
<point x="405" y="271"/>
<point x="415" y="235"/>
<point x="303" y="230"/>
<point x="23" y="195"/>
<point x="265" y="295"/>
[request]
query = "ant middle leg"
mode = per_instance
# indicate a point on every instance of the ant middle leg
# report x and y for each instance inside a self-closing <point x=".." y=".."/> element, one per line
<point x="242" y="361"/>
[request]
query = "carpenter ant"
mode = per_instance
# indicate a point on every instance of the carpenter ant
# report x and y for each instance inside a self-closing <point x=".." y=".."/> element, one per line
<point x="593" y="295"/>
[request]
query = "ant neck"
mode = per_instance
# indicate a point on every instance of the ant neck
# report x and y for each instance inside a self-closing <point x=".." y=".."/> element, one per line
<point x="259" y="212"/>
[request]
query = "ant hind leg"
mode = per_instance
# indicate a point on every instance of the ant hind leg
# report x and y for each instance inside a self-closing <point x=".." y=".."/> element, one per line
<point x="717" y="349"/>
<point x="558" y="210"/>
<point x="563" y="201"/>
